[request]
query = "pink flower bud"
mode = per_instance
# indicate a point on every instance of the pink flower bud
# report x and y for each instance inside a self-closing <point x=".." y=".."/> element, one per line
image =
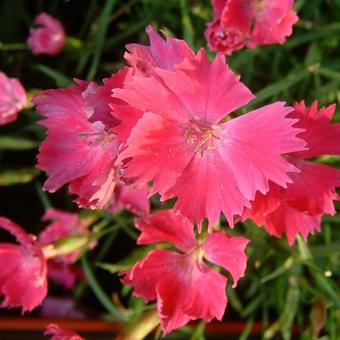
<point x="48" y="35"/>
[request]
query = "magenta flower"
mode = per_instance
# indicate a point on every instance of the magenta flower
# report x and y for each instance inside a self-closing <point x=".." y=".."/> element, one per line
<point x="81" y="147"/>
<point x="12" y="99"/>
<point x="64" y="224"/>
<point x="298" y="208"/>
<point x="48" y="35"/>
<point x="23" y="280"/>
<point x="237" y="23"/>
<point x="185" y="144"/>
<point x="184" y="285"/>
<point x="132" y="199"/>
<point x="59" y="333"/>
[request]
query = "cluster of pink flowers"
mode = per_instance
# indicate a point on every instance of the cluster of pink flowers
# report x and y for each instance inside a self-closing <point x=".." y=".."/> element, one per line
<point x="166" y="124"/>
<point x="26" y="265"/>
<point x="240" y="23"/>
<point x="163" y="125"/>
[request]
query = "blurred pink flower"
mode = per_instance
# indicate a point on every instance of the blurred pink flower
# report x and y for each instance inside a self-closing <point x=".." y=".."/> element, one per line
<point x="48" y="35"/>
<point x="64" y="224"/>
<point x="59" y="333"/>
<point x="23" y="280"/>
<point x="184" y="285"/>
<point x="237" y="23"/>
<point x="12" y="98"/>
<point x="185" y="144"/>
<point x="132" y="199"/>
<point x="298" y="208"/>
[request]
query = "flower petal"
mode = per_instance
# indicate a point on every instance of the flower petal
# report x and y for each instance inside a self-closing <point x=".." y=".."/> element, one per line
<point x="167" y="226"/>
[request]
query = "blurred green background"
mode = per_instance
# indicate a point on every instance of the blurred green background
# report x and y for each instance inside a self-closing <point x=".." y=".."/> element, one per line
<point x="284" y="288"/>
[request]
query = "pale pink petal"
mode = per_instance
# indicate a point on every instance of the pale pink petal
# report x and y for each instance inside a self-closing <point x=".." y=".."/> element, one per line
<point x="59" y="333"/>
<point x="145" y="274"/>
<point x="321" y="135"/>
<point x="161" y="53"/>
<point x="48" y="37"/>
<point x="243" y="148"/>
<point x="12" y="99"/>
<point x="228" y="252"/>
<point x="273" y="23"/>
<point x="23" y="281"/>
<point x="63" y="224"/>
<point x="132" y="199"/>
<point x="209" y="90"/>
<point x="166" y="226"/>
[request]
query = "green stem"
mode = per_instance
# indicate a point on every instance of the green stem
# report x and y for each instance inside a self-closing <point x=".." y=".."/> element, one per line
<point x="12" y="46"/>
<point x="99" y="292"/>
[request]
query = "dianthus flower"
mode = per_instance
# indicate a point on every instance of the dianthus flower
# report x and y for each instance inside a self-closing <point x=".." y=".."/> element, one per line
<point x="132" y="199"/>
<point x="12" y="99"/>
<point x="185" y="286"/>
<point x="48" y="37"/>
<point x="23" y="279"/>
<point x="237" y="23"/>
<point x="187" y="147"/>
<point x="81" y="146"/>
<point x="59" y="333"/>
<point x="64" y="224"/>
<point x="298" y="208"/>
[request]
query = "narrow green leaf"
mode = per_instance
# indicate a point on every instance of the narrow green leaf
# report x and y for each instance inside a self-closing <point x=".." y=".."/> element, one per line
<point x="99" y="292"/>
<point x="15" y="143"/>
<point x="280" y="86"/>
<point x="17" y="176"/>
<point x="290" y="309"/>
<point x="60" y="79"/>
<point x="188" y="31"/>
<point x="103" y="23"/>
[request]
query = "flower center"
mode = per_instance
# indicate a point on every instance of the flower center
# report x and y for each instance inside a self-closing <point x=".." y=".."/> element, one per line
<point x="203" y="137"/>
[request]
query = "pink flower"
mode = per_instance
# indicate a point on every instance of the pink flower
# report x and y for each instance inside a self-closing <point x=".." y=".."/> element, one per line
<point x="12" y="99"/>
<point x="81" y="146"/>
<point x="48" y="37"/>
<point x="132" y="199"/>
<point x="64" y="224"/>
<point x="23" y="280"/>
<point x="253" y="22"/>
<point x="224" y="39"/>
<point x="189" y="149"/>
<point x="184" y="285"/>
<point x="59" y="333"/>
<point x="298" y="208"/>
